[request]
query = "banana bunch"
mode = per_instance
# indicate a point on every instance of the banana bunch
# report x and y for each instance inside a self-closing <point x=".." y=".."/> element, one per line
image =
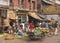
<point x="45" y="30"/>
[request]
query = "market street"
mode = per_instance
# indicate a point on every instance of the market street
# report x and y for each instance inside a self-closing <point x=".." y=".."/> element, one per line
<point x="53" y="39"/>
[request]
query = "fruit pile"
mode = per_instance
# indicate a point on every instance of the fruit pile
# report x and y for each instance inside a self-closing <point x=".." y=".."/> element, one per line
<point x="9" y="37"/>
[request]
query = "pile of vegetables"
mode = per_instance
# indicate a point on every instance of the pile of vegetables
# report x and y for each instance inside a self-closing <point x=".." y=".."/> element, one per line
<point x="4" y="34"/>
<point x="21" y="36"/>
<point x="45" y="30"/>
<point x="18" y="37"/>
<point x="37" y="31"/>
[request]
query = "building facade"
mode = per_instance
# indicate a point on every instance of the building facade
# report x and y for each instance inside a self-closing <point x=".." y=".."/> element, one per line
<point x="3" y="11"/>
<point x="50" y="6"/>
<point x="23" y="8"/>
<point x="17" y="10"/>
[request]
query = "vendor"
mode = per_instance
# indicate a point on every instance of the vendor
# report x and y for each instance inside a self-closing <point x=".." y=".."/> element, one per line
<point x="31" y="26"/>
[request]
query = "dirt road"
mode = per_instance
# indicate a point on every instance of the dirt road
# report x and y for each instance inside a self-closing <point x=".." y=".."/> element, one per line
<point x="53" y="39"/>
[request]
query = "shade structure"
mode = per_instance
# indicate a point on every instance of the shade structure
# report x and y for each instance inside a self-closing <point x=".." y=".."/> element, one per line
<point x="34" y="15"/>
<point x="12" y="14"/>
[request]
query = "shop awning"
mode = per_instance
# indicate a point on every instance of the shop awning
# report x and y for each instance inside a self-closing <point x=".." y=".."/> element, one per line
<point x="34" y="15"/>
<point x="12" y="14"/>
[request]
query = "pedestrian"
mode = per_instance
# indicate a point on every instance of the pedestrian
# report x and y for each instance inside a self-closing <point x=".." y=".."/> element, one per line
<point x="40" y="24"/>
<point x="43" y="24"/>
<point x="31" y="26"/>
<point x="46" y="25"/>
<point x="54" y="25"/>
<point x="23" y="26"/>
<point x="20" y="32"/>
<point x="56" y="30"/>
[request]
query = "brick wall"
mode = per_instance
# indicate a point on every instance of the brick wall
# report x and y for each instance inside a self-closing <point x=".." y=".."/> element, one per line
<point x="15" y="3"/>
<point x="35" y="4"/>
<point x="26" y="4"/>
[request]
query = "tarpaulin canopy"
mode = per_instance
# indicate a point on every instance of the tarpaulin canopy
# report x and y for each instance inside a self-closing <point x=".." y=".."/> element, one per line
<point x="34" y="15"/>
<point x="12" y="14"/>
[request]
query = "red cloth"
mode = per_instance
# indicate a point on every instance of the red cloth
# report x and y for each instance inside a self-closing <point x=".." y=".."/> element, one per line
<point x="31" y="26"/>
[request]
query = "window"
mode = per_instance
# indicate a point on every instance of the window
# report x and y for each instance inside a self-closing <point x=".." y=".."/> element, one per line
<point x="28" y="0"/>
<point x="33" y="3"/>
<point x="22" y="3"/>
<point x="29" y="4"/>
<point x="22" y="18"/>
<point x="11" y="1"/>
<point x="3" y="13"/>
<point x="18" y="2"/>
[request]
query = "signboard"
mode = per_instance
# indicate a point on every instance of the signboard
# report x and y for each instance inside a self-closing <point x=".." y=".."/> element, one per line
<point x="11" y="14"/>
<point x="4" y="2"/>
<point x="51" y="9"/>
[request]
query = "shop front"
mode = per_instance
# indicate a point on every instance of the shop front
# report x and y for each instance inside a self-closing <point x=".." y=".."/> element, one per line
<point x="3" y="16"/>
<point x="11" y="15"/>
<point x="34" y="17"/>
<point x="22" y="17"/>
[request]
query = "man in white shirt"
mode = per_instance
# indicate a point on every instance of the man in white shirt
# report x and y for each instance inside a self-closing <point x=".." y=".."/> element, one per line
<point x="23" y="25"/>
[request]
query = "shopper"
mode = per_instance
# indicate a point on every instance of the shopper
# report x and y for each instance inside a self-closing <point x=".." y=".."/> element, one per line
<point x="56" y="30"/>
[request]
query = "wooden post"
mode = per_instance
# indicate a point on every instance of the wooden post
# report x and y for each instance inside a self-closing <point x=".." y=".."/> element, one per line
<point x="27" y="18"/>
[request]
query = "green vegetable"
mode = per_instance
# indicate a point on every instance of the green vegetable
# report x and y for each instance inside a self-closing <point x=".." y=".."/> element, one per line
<point x="37" y="31"/>
<point x="5" y="34"/>
<point x="17" y="36"/>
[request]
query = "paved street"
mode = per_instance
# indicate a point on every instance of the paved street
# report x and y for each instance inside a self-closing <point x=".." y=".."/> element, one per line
<point x="53" y="39"/>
